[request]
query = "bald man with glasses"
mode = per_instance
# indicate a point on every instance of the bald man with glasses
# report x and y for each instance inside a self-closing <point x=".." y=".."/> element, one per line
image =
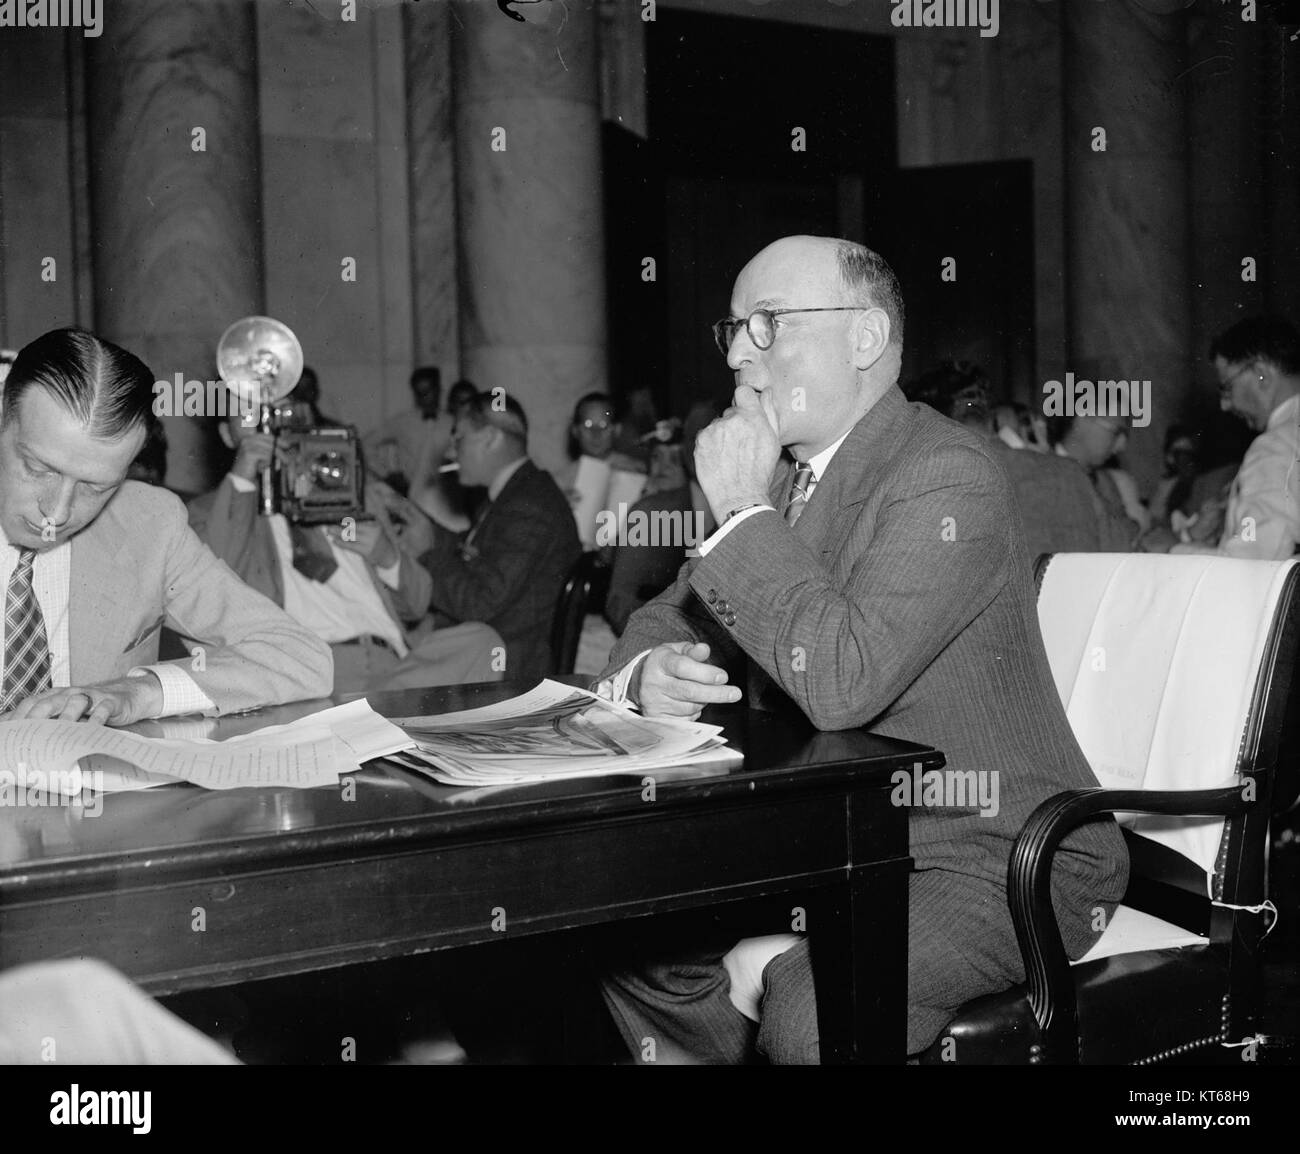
<point x="868" y="570"/>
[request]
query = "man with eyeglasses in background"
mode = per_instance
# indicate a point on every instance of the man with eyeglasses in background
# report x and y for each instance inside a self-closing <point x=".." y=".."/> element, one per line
<point x="1257" y="362"/>
<point x="873" y="574"/>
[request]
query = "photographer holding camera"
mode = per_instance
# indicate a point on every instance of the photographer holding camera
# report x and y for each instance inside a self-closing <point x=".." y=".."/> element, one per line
<point x="348" y="583"/>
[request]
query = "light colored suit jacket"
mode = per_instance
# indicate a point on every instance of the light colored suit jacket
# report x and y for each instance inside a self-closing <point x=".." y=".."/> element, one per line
<point x="902" y="600"/>
<point x="139" y="566"/>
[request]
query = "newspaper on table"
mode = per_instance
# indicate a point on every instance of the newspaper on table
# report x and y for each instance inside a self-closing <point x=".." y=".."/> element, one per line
<point x="551" y="733"/>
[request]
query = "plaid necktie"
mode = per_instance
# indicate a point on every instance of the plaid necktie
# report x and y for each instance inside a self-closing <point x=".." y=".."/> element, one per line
<point x="26" y="652"/>
<point x="798" y="492"/>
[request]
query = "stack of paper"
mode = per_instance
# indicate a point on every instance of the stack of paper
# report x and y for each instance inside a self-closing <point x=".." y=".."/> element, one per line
<point x="604" y="490"/>
<point x="553" y="732"/>
<point x="314" y="750"/>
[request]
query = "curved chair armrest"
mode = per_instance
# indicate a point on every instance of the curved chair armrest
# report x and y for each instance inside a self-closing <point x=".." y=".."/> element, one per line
<point x="1029" y="877"/>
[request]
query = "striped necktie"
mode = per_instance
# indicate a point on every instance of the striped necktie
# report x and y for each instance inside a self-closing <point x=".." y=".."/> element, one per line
<point x="480" y="515"/>
<point x="26" y="651"/>
<point x="798" y="492"/>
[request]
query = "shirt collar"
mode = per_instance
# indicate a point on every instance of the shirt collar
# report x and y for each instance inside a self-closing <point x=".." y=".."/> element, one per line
<point x="1011" y="438"/>
<point x="1285" y="414"/>
<point x="502" y="477"/>
<point x="821" y="461"/>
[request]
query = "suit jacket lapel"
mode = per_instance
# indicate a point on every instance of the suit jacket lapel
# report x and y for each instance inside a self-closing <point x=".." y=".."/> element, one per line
<point x="853" y="470"/>
<point x="782" y="478"/>
<point x="848" y="480"/>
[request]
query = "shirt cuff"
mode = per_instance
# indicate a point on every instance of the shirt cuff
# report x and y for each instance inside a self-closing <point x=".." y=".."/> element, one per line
<point x="389" y="574"/>
<point x="181" y="693"/>
<point x="242" y="484"/>
<point x="726" y="527"/>
<point x="614" y="687"/>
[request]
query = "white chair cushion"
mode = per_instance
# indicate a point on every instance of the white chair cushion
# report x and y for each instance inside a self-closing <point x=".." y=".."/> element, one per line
<point x="1155" y="659"/>
<point x="1131" y="931"/>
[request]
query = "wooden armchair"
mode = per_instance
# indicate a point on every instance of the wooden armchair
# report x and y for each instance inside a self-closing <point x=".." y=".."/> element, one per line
<point x="1175" y="674"/>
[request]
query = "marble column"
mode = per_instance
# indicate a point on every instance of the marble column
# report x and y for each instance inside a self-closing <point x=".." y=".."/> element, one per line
<point x="529" y="210"/>
<point x="1225" y="187"/>
<point x="432" y="186"/>
<point x="622" y="35"/>
<point x="1279" y="66"/>
<point x="1127" y="260"/>
<point x="178" y="245"/>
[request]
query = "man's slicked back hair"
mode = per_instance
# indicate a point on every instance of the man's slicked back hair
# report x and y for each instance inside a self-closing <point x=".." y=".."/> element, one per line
<point x="867" y="278"/>
<point x="109" y="390"/>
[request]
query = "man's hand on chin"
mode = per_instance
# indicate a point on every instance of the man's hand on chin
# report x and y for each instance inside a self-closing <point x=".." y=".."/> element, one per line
<point x="120" y="702"/>
<point x="676" y="682"/>
<point x="736" y="455"/>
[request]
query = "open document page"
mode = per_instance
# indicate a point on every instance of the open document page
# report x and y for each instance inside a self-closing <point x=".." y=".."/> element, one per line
<point x="314" y="750"/>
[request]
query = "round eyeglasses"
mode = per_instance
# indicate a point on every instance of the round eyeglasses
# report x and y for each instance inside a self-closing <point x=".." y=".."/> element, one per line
<point x="761" y="326"/>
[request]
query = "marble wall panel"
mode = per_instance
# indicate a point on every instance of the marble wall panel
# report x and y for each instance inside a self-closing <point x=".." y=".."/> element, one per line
<point x="432" y="187"/>
<point x="531" y="271"/>
<point x="177" y="251"/>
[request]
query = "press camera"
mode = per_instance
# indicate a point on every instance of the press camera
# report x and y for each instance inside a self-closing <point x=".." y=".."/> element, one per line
<point x="316" y="473"/>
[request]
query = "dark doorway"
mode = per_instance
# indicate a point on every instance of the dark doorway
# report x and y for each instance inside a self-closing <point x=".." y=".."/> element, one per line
<point x="718" y="179"/>
<point x="980" y="217"/>
<point x="728" y="100"/>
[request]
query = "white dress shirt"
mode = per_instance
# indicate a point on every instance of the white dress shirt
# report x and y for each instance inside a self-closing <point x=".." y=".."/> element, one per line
<point x="345" y="607"/>
<point x="52" y="584"/>
<point x="614" y="687"/>
<point x="1264" y="502"/>
<point x="1262" y="521"/>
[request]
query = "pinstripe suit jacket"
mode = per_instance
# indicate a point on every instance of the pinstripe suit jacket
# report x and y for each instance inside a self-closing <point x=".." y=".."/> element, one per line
<point x="906" y="588"/>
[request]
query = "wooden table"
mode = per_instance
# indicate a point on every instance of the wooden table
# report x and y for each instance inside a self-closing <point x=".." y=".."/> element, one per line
<point x="183" y="888"/>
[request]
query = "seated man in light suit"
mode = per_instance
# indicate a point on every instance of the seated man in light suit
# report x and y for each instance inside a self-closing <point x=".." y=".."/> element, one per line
<point x="93" y="565"/>
<point x="357" y="591"/>
<point x="1257" y="362"/>
<point x="876" y="576"/>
